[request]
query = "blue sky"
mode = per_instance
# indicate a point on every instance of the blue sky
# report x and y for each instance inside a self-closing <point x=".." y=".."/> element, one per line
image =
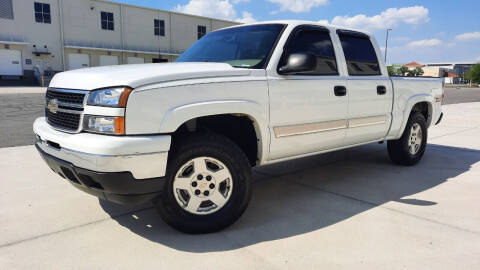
<point x="423" y="31"/>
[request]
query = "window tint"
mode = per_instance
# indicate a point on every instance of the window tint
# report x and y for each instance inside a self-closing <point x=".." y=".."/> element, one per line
<point x="107" y="20"/>
<point x="316" y="42"/>
<point x="202" y="30"/>
<point x="359" y="54"/>
<point x="42" y="12"/>
<point x="159" y="27"/>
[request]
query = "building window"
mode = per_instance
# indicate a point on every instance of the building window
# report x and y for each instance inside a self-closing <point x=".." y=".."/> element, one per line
<point x="202" y="30"/>
<point x="159" y="27"/>
<point x="6" y="9"/>
<point x="107" y="20"/>
<point x="42" y="13"/>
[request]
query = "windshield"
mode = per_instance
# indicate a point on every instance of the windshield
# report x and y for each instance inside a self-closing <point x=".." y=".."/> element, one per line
<point x="246" y="47"/>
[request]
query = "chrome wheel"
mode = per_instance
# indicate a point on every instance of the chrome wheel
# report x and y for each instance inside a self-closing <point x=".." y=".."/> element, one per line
<point x="415" y="139"/>
<point x="202" y="185"/>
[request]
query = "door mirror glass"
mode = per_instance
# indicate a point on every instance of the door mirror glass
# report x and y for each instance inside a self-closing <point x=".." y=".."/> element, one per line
<point x="299" y="62"/>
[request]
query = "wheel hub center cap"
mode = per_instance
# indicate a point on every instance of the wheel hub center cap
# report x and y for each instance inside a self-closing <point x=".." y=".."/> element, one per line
<point x="203" y="185"/>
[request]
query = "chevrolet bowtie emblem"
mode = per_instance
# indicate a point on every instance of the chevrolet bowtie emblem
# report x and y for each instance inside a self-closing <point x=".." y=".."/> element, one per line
<point x="52" y="106"/>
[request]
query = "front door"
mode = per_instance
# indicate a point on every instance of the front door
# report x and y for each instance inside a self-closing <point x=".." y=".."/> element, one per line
<point x="308" y="111"/>
<point x="370" y="94"/>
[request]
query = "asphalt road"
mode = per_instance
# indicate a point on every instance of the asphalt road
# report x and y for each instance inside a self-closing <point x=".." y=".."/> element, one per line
<point x="18" y="111"/>
<point x="349" y="209"/>
<point x="462" y="95"/>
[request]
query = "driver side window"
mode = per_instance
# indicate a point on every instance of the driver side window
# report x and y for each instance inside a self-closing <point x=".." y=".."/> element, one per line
<point x="315" y="41"/>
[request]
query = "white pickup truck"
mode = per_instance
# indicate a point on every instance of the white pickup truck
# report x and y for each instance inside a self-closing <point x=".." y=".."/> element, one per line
<point x="185" y="135"/>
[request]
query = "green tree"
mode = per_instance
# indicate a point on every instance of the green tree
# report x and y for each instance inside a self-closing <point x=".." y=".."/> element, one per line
<point x="402" y="71"/>
<point x="419" y="71"/>
<point x="473" y="74"/>
<point x="391" y="71"/>
<point x="415" y="72"/>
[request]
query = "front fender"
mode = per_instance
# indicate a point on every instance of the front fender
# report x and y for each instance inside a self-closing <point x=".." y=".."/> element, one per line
<point x="179" y="115"/>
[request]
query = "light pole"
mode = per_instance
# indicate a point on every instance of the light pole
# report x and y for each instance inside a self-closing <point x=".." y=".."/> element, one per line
<point x="386" y="45"/>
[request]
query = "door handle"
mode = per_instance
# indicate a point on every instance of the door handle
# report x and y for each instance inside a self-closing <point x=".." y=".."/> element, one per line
<point x="340" y="90"/>
<point x="381" y="90"/>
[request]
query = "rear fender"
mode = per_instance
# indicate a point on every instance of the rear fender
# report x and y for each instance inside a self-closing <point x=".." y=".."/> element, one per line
<point x="411" y="102"/>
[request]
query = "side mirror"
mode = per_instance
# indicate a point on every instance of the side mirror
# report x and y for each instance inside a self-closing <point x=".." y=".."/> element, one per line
<point x="299" y="62"/>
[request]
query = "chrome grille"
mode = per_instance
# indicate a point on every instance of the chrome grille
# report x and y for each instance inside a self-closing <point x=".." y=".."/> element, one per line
<point x="64" y="108"/>
<point x="67" y="97"/>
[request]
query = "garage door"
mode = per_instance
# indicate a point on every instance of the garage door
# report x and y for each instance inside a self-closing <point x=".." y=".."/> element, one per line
<point x="78" y="60"/>
<point x="108" y="60"/>
<point x="135" y="60"/>
<point x="11" y="62"/>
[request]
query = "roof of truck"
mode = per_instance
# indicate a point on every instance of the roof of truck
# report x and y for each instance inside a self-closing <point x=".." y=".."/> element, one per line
<point x="300" y="22"/>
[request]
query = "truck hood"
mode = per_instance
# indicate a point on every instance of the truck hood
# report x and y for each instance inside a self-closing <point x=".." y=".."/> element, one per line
<point x="141" y="74"/>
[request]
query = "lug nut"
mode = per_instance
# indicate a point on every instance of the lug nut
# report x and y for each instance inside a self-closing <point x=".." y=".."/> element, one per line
<point x="194" y="184"/>
<point x="209" y="178"/>
<point x="197" y="192"/>
<point x="199" y="177"/>
<point x="205" y="193"/>
<point x="211" y="186"/>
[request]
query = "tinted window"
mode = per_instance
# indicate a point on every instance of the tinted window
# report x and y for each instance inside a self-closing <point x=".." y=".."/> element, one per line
<point x="107" y="20"/>
<point x="42" y="12"/>
<point x="360" y="55"/>
<point x="202" y="30"/>
<point x="318" y="43"/>
<point x="159" y="27"/>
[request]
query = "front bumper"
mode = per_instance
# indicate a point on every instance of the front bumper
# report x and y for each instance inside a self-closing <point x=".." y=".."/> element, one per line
<point x="122" y="169"/>
<point x="118" y="187"/>
<point x="143" y="156"/>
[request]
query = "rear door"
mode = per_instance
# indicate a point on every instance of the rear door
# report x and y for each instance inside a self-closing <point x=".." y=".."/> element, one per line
<point x="370" y="94"/>
<point x="306" y="113"/>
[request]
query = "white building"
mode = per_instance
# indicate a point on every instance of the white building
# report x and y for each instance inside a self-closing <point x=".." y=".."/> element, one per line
<point x="454" y="67"/>
<point x="61" y="35"/>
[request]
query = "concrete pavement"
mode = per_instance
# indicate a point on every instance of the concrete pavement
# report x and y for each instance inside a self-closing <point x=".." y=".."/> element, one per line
<point x="22" y="90"/>
<point x="346" y="209"/>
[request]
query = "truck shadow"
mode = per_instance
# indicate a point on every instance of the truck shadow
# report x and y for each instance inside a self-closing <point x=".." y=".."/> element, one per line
<point x="309" y="194"/>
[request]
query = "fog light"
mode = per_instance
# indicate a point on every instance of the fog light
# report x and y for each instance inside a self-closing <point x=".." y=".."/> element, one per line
<point x="104" y="124"/>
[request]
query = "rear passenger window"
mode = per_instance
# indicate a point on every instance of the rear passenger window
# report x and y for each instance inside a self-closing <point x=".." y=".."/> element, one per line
<point x="359" y="54"/>
<point x="314" y="41"/>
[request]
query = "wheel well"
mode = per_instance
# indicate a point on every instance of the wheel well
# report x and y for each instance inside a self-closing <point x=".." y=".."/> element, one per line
<point x="238" y="128"/>
<point x="423" y="108"/>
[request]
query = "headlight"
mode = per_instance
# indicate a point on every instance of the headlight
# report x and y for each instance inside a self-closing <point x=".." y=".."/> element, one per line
<point x="114" y="125"/>
<point x="109" y="97"/>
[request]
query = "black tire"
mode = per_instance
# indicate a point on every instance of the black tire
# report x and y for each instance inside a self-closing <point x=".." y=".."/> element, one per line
<point x="398" y="150"/>
<point x="226" y="151"/>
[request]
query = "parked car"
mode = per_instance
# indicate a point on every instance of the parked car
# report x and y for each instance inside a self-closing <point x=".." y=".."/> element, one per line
<point x="185" y="135"/>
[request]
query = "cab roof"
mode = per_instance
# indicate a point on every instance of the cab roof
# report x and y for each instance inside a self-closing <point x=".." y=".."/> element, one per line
<point x="294" y="23"/>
